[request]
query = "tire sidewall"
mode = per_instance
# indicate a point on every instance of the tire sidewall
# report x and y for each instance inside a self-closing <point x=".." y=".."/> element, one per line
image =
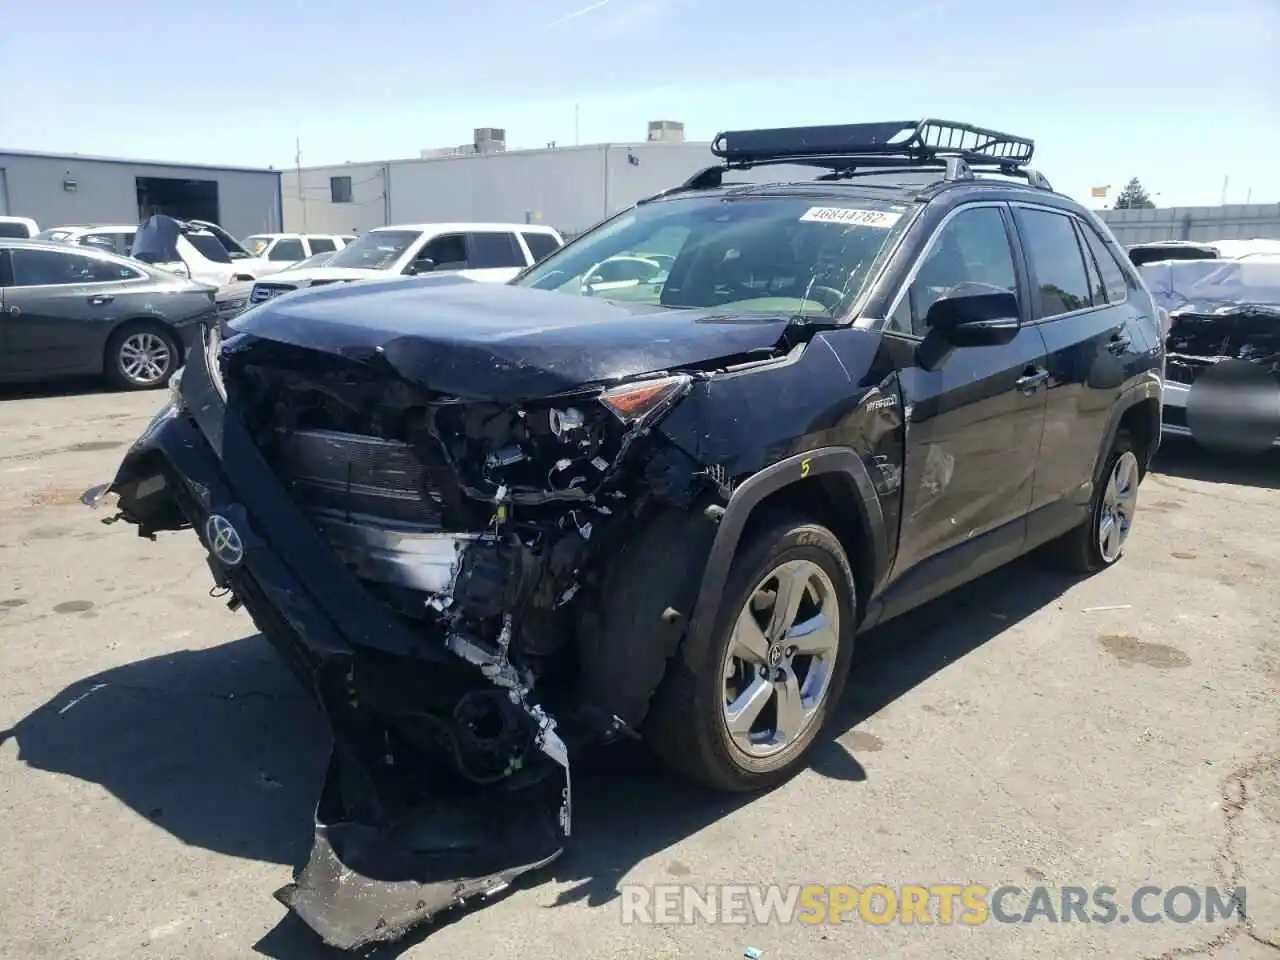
<point x="795" y="540"/>
<point x="115" y="367"/>
<point x="1123" y="444"/>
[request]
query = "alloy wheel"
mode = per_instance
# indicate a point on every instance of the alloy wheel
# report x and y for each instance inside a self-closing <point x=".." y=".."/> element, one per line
<point x="1119" y="501"/>
<point x="778" y="667"/>
<point x="145" y="358"/>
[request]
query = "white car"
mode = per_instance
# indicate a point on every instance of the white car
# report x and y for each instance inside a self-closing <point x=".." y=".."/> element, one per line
<point x="18" y="228"/>
<point x="273" y="252"/>
<point x="112" y="237"/>
<point x="485" y="252"/>
<point x="189" y="250"/>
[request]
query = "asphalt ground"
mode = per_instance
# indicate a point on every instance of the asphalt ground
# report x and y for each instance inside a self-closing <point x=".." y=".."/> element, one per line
<point x="158" y="766"/>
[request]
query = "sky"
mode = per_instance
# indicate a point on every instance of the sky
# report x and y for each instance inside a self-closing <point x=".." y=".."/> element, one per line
<point x="1182" y="94"/>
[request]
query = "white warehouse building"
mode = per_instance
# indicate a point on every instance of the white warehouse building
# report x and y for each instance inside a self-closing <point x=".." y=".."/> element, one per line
<point x="569" y="188"/>
<point x="62" y="189"/>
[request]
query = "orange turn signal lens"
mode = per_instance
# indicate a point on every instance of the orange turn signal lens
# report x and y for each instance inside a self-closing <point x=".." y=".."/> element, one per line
<point x="632" y="401"/>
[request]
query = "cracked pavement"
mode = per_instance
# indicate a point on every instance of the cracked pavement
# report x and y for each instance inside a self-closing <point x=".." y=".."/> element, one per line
<point x="158" y="766"/>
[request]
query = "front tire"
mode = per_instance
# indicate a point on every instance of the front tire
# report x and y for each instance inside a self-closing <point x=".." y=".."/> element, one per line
<point x="746" y="712"/>
<point x="141" y="356"/>
<point x="1099" y="542"/>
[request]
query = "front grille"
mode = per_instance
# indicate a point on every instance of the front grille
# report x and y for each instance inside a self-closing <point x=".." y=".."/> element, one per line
<point x="348" y="474"/>
<point x="262" y="292"/>
<point x="1175" y="416"/>
<point x="229" y="309"/>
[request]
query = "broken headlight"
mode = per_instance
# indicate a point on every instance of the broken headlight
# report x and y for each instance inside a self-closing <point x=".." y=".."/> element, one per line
<point x="642" y="399"/>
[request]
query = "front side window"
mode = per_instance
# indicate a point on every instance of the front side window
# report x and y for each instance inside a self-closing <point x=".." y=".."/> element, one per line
<point x="1057" y="264"/>
<point x="322" y="244"/>
<point x="491" y="251"/>
<point x="35" y="268"/>
<point x="971" y="248"/>
<point x="803" y="256"/>
<point x="289" y="250"/>
<point x="446" y="252"/>
<point x="256" y="245"/>
<point x="376" y="250"/>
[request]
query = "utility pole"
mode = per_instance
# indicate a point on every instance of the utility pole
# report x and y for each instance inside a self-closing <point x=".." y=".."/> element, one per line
<point x="577" y="139"/>
<point x="297" y="165"/>
<point x="1225" y="181"/>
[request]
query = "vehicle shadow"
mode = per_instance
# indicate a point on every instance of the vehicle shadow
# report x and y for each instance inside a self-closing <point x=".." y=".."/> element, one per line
<point x="218" y="747"/>
<point x="1179" y="457"/>
<point x="77" y="387"/>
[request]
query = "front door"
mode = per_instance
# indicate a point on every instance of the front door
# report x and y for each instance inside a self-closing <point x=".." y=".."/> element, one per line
<point x="973" y="424"/>
<point x="58" y="310"/>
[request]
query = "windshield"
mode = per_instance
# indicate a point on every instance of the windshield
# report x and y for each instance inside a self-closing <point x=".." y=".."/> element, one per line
<point x="255" y="245"/>
<point x="1209" y="285"/>
<point x="376" y="250"/>
<point x="773" y="255"/>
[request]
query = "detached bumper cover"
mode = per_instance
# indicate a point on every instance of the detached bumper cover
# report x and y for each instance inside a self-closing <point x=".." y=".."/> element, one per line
<point x="392" y="847"/>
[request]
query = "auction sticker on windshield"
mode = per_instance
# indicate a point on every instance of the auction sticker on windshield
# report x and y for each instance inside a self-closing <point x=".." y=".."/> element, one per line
<point x="883" y="219"/>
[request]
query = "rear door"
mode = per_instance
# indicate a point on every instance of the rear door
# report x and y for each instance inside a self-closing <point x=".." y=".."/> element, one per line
<point x="59" y="309"/>
<point x="1096" y="335"/>
<point x="973" y="424"/>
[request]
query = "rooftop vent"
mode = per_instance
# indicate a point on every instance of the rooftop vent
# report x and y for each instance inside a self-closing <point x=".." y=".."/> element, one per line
<point x="489" y="139"/>
<point x="668" y="131"/>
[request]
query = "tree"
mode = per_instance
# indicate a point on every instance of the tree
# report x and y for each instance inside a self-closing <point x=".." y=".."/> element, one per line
<point x="1134" y="197"/>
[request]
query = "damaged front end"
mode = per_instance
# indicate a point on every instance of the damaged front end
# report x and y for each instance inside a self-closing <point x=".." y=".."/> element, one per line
<point x="422" y="563"/>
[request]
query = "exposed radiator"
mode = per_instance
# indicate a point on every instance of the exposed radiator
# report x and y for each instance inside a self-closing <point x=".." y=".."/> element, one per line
<point x="344" y="474"/>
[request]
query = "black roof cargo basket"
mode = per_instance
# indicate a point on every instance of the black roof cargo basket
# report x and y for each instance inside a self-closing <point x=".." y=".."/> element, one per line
<point x="913" y="141"/>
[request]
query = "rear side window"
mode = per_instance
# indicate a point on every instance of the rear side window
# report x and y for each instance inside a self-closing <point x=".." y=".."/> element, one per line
<point x="209" y="247"/>
<point x="11" y="229"/>
<point x="322" y="245"/>
<point x="1057" y="265"/>
<point x="541" y="245"/>
<point x="490" y="251"/>
<point x="1115" y="285"/>
<point x="35" y="268"/>
<point x="290" y="250"/>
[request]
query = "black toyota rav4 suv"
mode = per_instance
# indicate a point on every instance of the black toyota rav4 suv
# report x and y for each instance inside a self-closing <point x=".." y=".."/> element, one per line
<point x="654" y="487"/>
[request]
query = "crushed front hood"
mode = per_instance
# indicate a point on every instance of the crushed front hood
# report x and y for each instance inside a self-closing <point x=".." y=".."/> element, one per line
<point x="504" y="343"/>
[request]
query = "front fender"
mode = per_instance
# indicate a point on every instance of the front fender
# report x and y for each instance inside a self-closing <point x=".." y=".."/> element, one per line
<point x="748" y="496"/>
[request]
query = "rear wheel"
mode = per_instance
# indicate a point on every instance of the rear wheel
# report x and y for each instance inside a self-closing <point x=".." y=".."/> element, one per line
<point x="746" y="712"/>
<point x="1099" y="542"/>
<point x="141" y="356"/>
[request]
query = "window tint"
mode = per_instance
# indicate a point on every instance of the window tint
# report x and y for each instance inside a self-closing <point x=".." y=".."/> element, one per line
<point x="494" y="250"/>
<point x="1057" y="265"/>
<point x="322" y="245"/>
<point x="33" y="268"/>
<point x="446" y="252"/>
<point x="1114" y="281"/>
<point x="540" y="245"/>
<point x="209" y="247"/>
<point x="289" y="249"/>
<point x="972" y="248"/>
<point x="340" y="189"/>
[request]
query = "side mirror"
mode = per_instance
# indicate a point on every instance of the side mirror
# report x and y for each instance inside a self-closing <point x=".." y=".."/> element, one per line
<point x="977" y="317"/>
<point x="421" y="265"/>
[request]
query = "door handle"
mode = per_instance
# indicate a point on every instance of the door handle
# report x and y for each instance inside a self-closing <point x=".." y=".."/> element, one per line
<point x="97" y="300"/>
<point x="1030" y="381"/>
<point x="13" y="311"/>
<point x="1119" y="343"/>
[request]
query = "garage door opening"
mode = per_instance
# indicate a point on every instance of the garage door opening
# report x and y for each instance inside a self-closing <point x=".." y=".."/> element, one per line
<point x="180" y="199"/>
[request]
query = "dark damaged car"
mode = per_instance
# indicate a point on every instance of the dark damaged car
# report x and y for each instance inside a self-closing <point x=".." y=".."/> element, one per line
<point x="492" y="526"/>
